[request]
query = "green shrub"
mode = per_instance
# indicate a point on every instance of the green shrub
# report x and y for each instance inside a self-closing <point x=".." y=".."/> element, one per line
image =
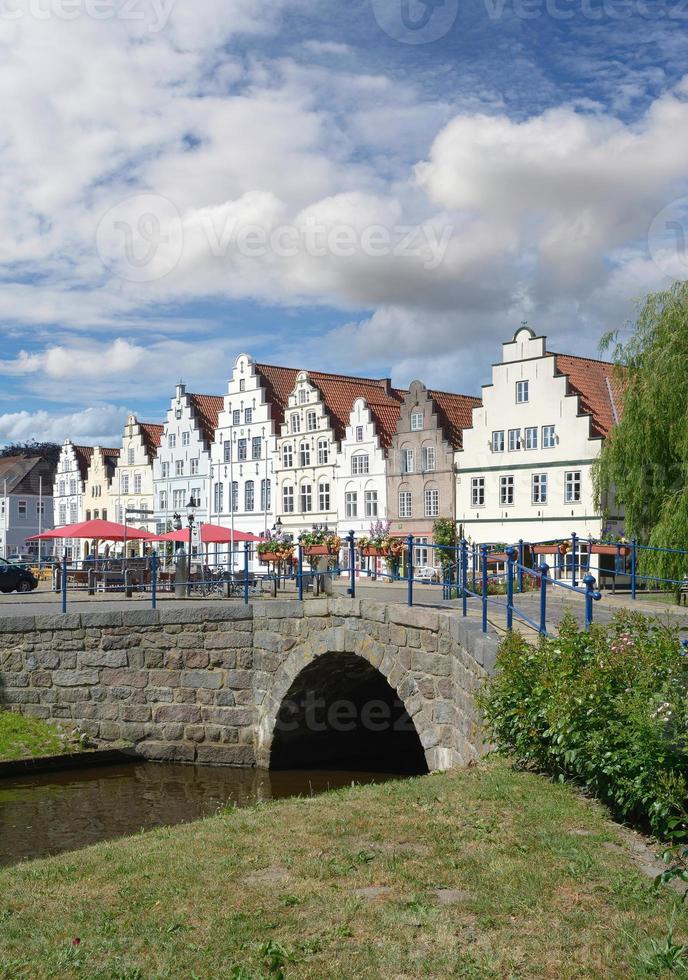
<point x="607" y="708"/>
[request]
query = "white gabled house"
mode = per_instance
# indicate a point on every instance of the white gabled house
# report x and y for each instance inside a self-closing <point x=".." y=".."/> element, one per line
<point x="525" y="468"/>
<point x="132" y="484"/>
<point x="181" y="467"/>
<point x="26" y="505"/>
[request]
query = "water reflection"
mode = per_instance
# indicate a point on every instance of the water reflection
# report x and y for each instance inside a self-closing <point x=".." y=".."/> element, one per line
<point x="53" y="812"/>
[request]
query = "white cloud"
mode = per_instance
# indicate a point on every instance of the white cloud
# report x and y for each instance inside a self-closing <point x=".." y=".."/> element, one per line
<point x="99" y="425"/>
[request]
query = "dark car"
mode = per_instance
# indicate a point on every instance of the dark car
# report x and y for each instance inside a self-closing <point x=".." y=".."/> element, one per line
<point x="16" y="577"/>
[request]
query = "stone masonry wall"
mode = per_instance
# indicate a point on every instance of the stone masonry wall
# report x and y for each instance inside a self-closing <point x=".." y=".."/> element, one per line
<point x="204" y="683"/>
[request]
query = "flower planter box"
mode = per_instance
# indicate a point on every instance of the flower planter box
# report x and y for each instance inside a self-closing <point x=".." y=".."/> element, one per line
<point x="267" y="556"/>
<point x="497" y="557"/>
<point x="610" y="549"/>
<point x="315" y="550"/>
<point x="546" y="549"/>
<point x="370" y="551"/>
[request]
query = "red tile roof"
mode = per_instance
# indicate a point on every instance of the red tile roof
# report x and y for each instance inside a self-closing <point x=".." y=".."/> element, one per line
<point x="598" y="387"/>
<point x="339" y="392"/>
<point x="207" y="409"/>
<point x="151" y="433"/>
<point x="454" y="413"/>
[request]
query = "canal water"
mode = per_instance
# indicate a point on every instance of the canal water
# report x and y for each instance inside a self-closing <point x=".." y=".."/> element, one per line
<point x="48" y="813"/>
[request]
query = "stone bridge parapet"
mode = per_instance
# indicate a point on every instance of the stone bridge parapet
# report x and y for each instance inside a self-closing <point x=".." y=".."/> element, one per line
<point x="204" y="683"/>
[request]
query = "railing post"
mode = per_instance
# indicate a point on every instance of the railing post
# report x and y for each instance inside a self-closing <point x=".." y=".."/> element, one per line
<point x="464" y="575"/>
<point x="574" y="545"/>
<point x="519" y="574"/>
<point x="544" y="571"/>
<point x="154" y="580"/>
<point x="409" y="569"/>
<point x="474" y="559"/>
<point x="352" y="564"/>
<point x="246" y="550"/>
<point x="634" y="555"/>
<point x="510" y="552"/>
<point x="590" y="595"/>
<point x="299" y="570"/>
<point x="64" y="583"/>
<point x="483" y="557"/>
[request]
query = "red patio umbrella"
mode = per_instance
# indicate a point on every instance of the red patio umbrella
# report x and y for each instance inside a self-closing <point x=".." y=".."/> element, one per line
<point x="97" y="530"/>
<point x="210" y="534"/>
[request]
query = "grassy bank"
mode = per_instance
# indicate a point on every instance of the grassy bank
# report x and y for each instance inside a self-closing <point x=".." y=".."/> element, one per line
<point x="25" y="738"/>
<point x="481" y="873"/>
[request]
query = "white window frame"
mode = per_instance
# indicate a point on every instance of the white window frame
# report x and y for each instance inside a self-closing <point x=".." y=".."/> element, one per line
<point x="498" y="441"/>
<point x="522" y="392"/>
<point x="431" y="500"/>
<point x="306" y="498"/>
<point x="351" y="503"/>
<point x="287" y="499"/>
<point x="360" y="464"/>
<point x="407" y="461"/>
<point x="514" y="440"/>
<point x="507" y="490"/>
<point x="429" y="459"/>
<point x="323" y="452"/>
<point x="539" y="487"/>
<point x="405" y="504"/>
<point x="371" y="503"/>
<point x="324" y="496"/>
<point x="530" y="437"/>
<point x="573" y="486"/>
<point x="549" y="436"/>
<point x="416" y="425"/>
<point x="478" y="491"/>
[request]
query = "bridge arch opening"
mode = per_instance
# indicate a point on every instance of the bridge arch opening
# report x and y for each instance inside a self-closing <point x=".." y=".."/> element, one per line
<point x="340" y="712"/>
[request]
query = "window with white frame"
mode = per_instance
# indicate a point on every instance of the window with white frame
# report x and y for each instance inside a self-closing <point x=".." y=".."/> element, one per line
<point x="429" y="458"/>
<point x="196" y="495"/>
<point x="371" y="503"/>
<point x="265" y="495"/>
<point x="256" y="447"/>
<point x="40" y="508"/>
<point x="531" y="437"/>
<point x="163" y="499"/>
<point x="227" y="452"/>
<point x="478" y="491"/>
<point x="186" y="438"/>
<point x="498" y="441"/>
<point x="125" y="483"/>
<point x="514" y="440"/>
<point x="72" y="513"/>
<point x="61" y="489"/>
<point x="235" y="496"/>
<point x="539" y="488"/>
<point x="288" y="499"/>
<point x="172" y="440"/>
<point x="572" y="486"/>
<point x="295" y="423"/>
<point x="249" y="495"/>
<point x="164" y="470"/>
<point x="306" y="497"/>
<point x="407" y="461"/>
<point x="178" y="413"/>
<point x="194" y="466"/>
<point x="130" y="456"/>
<point x="432" y="502"/>
<point x="242" y="384"/>
<point x="522" y="393"/>
<point x="63" y="514"/>
<point x="311" y="421"/>
<point x="179" y="467"/>
<point x="248" y="416"/>
<point x="287" y="455"/>
<point x="303" y="396"/>
<point x="218" y="498"/>
<point x="72" y="486"/>
<point x="304" y="454"/>
<point x="351" y="503"/>
<point x="359" y="433"/>
<point x="506" y="490"/>
<point x="22" y="510"/>
<point x="360" y="464"/>
<point x="548" y="437"/>
<point x="242" y="449"/>
<point x="323" y="452"/>
<point x="137" y="483"/>
<point x="178" y="499"/>
<point x="236" y="417"/>
<point x="324" y="496"/>
<point x="404" y="503"/>
<point x="416" y="421"/>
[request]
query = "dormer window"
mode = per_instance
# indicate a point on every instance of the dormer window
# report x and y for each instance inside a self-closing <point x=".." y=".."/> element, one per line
<point x="178" y="413"/>
<point x="521" y="392"/>
<point x="416" y="421"/>
<point x="303" y="396"/>
<point x="359" y="433"/>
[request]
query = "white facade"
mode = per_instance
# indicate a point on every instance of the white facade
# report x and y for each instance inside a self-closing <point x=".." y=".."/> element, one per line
<point x="181" y="468"/>
<point x="68" y="491"/>
<point x="242" y="454"/>
<point x="132" y="484"/>
<point x="98" y="484"/>
<point x="306" y="462"/>
<point x="525" y="470"/>
<point x="360" y="474"/>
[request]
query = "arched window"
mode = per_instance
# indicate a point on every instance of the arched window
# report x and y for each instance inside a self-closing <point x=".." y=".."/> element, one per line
<point x="324" y="496"/>
<point x="306" y="498"/>
<point x="249" y="495"/>
<point x="360" y="464"/>
<point x="287" y="455"/>
<point x="288" y="499"/>
<point x="305" y="454"/>
<point x="265" y="495"/>
<point x="323" y="452"/>
<point x="431" y="499"/>
<point x="405" y="501"/>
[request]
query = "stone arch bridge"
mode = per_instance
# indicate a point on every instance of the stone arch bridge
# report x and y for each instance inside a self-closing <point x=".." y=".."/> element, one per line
<point x="275" y="683"/>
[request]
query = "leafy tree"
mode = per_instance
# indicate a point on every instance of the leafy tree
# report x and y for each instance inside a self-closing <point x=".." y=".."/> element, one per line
<point x="644" y="463"/>
<point x="444" y="532"/>
<point x="49" y="451"/>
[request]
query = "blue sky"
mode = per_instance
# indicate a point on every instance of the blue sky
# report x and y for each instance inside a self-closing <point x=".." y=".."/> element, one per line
<point x="325" y="185"/>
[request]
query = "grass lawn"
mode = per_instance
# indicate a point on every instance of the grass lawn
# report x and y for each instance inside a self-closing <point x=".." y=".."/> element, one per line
<point x="480" y="873"/>
<point x="24" y="738"/>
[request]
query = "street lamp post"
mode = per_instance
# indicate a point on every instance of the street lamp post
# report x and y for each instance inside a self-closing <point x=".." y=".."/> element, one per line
<point x="191" y="520"/>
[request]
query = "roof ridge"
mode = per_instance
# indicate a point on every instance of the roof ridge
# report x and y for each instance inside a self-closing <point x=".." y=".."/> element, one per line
<point x="324" y="374"/>
<point x="580" y="357"/>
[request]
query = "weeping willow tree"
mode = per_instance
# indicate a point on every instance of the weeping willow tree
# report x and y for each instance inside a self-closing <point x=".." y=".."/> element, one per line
<point x="644" y="463"/>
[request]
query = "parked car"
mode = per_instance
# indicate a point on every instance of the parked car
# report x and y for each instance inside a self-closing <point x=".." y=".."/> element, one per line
<point x="16" y="577"/>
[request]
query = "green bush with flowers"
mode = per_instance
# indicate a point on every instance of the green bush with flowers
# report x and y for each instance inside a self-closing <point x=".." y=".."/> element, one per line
<point x="606" y="708"/>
